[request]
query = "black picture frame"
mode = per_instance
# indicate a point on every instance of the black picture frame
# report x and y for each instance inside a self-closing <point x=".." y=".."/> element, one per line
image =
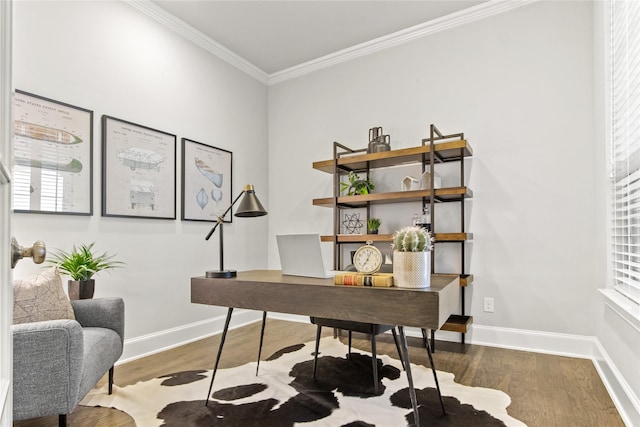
<point x="138" y="170"/>
<point x="207" y="182"/>
<point x="53" y="156"/>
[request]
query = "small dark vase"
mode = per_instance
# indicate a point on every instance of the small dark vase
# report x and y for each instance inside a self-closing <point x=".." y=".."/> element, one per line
<point x="373" y="231"/>
<point x="81" y="289"/>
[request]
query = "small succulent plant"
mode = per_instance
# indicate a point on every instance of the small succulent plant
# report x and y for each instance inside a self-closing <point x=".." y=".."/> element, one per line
<point x="412" y="239"/>
<point x="373" y="223"/>
<point x="357" y="185"/>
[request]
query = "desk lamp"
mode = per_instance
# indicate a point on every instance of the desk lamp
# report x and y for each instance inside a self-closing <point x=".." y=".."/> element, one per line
<point x="250" y="206"/>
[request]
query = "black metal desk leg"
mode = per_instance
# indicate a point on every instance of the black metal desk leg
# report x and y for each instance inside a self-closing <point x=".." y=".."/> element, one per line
<point x="374" y="359"/>
<point x="433" y="369"/>
<point x="264" y="321"/>
<point x="315" y="356"/>
<point x="395" y="339"/>
<point x="425" y="340"/>
<point x="407" y="369"/>
<point x="215" y="368"/>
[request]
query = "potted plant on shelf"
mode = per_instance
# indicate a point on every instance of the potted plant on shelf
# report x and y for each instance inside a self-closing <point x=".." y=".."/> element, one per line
<point x="373" y="224"/>
<point x="412" y="257"/>
<point x="81" y="264"/>
<point x="356" y="185"/>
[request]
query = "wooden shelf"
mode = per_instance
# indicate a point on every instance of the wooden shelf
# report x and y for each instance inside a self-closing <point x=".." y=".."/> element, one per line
<point x="361" y="238"/>
<point x="358" y="238"/>
<point x="444" y="152"/>
<point x="443" y="149"/>
<point x="457" y="323"/>
<point x="449" y="194"/>
<point x="452" y="237"/>
<point x="466" y="279"/>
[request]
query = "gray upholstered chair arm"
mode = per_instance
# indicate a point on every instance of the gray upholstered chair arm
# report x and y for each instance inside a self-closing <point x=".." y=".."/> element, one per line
<point x="47" y="365"/>
<point x="102" y="313"/>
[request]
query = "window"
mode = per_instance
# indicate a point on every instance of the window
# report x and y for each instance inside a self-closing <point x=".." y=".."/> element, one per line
<point x="50" y="185"/>
<point x="625" y="145"/>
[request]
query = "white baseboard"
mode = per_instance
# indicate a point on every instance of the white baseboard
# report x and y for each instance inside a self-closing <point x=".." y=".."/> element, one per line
<point x="627" y="403"/>
<point x="578" y="346"/>
<point x="569" y="345"/>
<point x="146" y="345"/>
<point x="515" y="339"/>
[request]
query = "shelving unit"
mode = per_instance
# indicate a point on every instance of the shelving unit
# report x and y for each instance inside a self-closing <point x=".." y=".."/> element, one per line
<point x="435" y="149"/>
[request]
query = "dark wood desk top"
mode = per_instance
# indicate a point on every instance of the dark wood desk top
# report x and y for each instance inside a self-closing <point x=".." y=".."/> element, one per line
<point x="270" y="290"/>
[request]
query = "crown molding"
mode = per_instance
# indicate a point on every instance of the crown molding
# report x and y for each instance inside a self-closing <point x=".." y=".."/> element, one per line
<point x="465" y="16"/>
<point x="197" y="37"/>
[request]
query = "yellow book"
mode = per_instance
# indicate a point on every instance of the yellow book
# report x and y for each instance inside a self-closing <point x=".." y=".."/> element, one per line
<point x="382" y="280"/>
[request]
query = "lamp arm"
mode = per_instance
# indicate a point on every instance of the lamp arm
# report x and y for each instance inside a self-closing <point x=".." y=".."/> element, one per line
<point x="214" y="228"/>
<point x="221" y="217"/>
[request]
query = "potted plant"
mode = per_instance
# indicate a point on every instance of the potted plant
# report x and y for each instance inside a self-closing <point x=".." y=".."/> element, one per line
<point x="412" y="257"/>
<point x="373" y="224"/>
<point x="81" y="264"/>
<point x="356" y="185"/>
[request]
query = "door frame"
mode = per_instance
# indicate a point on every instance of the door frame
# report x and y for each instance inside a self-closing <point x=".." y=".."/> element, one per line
<point x="6" y="156"/>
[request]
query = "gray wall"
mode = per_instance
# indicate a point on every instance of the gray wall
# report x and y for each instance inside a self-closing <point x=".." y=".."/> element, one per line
<point x="112" y="59"/>
<point x="520" y="86"/>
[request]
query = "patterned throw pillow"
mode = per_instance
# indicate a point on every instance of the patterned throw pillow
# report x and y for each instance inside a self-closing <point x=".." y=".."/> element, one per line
<point x="39" y="298"/>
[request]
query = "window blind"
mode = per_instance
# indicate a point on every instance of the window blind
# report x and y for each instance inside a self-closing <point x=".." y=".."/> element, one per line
<point x="51" y="189"/>
<point x="625" y="145"/>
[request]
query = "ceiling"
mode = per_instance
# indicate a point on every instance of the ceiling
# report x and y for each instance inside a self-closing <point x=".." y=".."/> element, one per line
<point x="277" y="35"/>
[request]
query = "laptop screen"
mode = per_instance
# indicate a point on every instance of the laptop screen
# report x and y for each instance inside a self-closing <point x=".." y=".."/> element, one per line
<point x="301" y="255"/>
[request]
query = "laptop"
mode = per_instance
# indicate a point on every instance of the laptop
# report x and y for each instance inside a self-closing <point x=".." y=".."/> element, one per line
<point x="301" y="255"/>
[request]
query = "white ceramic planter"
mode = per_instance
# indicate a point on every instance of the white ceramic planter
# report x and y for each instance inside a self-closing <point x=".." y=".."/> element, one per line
<point x="412" y="269"/>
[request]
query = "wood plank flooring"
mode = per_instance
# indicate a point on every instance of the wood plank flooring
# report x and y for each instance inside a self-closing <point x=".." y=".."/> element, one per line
<point x="546" y="391"/>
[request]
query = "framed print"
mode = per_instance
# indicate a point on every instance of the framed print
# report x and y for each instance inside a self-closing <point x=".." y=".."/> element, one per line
<point x="206" y="181"/>
<point x="53" y="156"/>
<point x="138" y="170"/>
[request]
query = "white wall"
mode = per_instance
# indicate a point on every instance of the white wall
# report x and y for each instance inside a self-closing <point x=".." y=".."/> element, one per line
<point x="618" y="320"/>
<point x="112" y="59"/>
<point x="520" y="86"/>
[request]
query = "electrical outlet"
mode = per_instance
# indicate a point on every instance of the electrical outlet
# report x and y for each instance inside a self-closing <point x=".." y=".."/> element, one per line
<point x="488" y="305"/>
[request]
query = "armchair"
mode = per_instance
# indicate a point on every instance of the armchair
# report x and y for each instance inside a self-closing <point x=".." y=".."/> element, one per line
<point x="57" y="362"/>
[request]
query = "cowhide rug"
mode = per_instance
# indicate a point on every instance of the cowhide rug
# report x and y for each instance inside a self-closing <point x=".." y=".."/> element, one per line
<point x="285" y="394"/>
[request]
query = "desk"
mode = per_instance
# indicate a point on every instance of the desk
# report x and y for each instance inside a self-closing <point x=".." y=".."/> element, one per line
<point x="270" y="290"/>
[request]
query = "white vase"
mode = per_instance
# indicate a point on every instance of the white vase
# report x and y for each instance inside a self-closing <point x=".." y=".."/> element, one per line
<point x="412" y="269"/>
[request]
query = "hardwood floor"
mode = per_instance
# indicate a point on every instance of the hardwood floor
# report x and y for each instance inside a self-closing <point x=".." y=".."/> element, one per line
<point x="545" y="390"/>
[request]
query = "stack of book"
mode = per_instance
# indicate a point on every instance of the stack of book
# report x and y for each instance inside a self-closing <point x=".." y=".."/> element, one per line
<point x="382" y="280"/>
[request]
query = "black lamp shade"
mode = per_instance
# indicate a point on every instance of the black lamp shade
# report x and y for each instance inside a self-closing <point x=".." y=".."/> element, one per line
<point x="250" y="206"/>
